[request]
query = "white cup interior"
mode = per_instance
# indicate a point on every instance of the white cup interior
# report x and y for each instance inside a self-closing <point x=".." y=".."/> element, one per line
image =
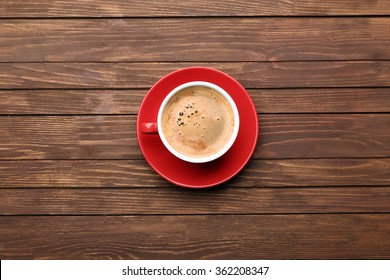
<point x="221" y="151"/>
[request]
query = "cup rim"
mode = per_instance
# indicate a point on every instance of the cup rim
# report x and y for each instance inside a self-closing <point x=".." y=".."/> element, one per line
<point x="232" y="138"/>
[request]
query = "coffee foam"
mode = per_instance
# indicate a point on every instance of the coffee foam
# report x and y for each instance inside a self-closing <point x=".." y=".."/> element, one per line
<point x="198" y="121"/>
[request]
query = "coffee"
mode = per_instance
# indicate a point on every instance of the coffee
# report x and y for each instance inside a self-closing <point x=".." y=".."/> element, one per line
<point x="198" y="121"/>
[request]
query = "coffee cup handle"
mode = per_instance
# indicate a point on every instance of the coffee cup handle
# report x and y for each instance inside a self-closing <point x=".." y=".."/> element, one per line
<point x="149" y="128"/>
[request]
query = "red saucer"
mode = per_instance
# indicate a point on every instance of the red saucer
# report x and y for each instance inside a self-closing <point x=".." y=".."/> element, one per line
<point x="198" y="175"/>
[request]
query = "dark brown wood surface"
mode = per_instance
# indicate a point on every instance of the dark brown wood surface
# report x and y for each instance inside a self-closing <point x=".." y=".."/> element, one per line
<point x="235" y="39"/>
<point x="75" y="185"/>
<point x="174" y="201"/>
<point x="174" y="8"/>
<point x="114" y="136"/>
<point x="136" y="173"/>
<point x="127" y="101"/>
<point x="252" y="75"/>
<point x="298" y="236"/>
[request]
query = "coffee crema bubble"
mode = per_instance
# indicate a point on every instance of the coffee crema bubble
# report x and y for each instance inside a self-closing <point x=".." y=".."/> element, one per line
<point x="198" y="121"/>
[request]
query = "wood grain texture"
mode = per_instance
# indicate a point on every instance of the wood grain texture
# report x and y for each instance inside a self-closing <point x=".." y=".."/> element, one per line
<point x="363" y="236"/>
<point x="75" y="185"/>
<point x="143" y="75"/>
<point x="323" y="136"/>
<point x="324" y="100"/>
<point x="172" y="8"/>
<point x="189" y="39"/>
<point x="63" y="102"/>
<point x="114" y="137"/>
<point x="68" y="137"/>
<point x="182" y="201"/>
<point x="137" y="173"/>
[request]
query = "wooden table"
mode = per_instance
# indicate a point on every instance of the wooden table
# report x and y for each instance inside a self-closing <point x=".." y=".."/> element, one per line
<point x="75" y="185"/>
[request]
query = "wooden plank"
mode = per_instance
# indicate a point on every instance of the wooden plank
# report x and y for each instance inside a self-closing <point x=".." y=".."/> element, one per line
<point x="114" y="137"/>
<point x="63" y="102"/>
<point x="338" y="100"/>
<point x="197" y="237"/>
<point x="181" y="201"/>
<point x="68" y="137"/>
<point x="323" y="100"/>
<point x="137" y="173"/>
<point x="195" y="39"/>
<point x="323" y="136"/>
<point x="172" y="8"/>
<point x="144" y="75"/>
